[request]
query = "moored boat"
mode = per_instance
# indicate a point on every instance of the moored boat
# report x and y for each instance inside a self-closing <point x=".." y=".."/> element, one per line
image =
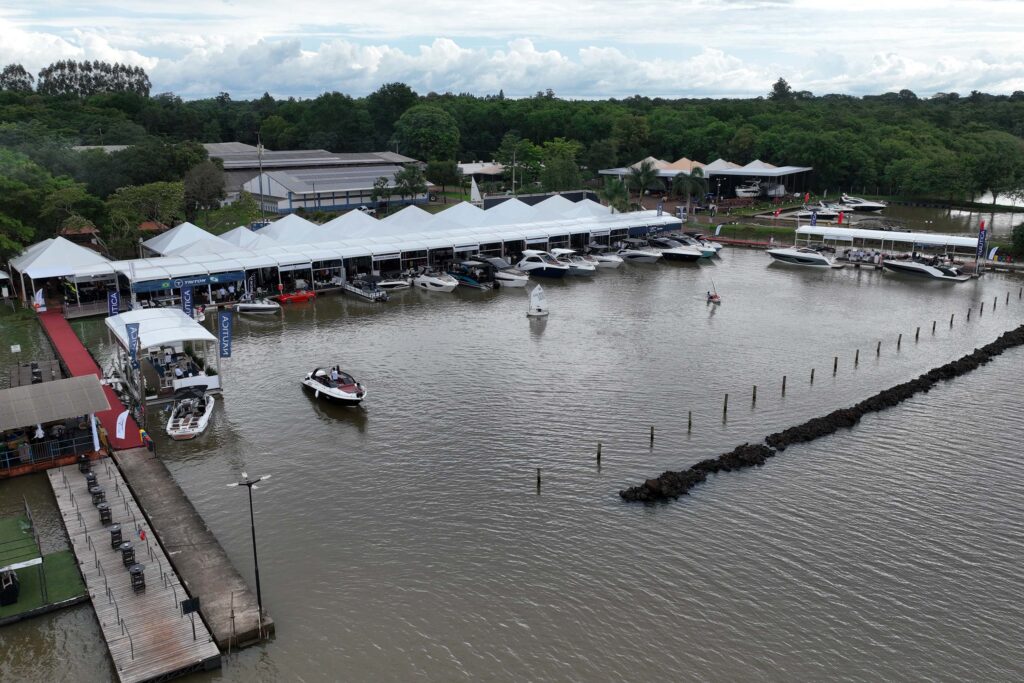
<point x="577" y="264"/>
<point x="296" y="297"/>
<point x="934" y="269"/>
<point x="674" y="250"/>
<point x="536" y="262"/>
<point x="391" y="284"/>
<point x="857" y="204"/>
<point x="538" y="303"/>
<point x="248" y="304"/>
<point x="637" y="251"/>
<point x="190" y="413"/>
<point x="366" y="288"/>
<point x="434" y="281"/>
<point x="802" y="256"/>
<point x="473" y="274"/>
<point x="505" y="274"/>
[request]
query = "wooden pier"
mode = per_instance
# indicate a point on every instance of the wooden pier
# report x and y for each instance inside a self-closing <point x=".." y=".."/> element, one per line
<point x="148" y="636"/>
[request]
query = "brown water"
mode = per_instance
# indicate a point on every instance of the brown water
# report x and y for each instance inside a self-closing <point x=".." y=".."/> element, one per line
<point x="406" y="541"/>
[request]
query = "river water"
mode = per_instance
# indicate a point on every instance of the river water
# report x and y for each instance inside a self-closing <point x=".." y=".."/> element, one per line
<point x="406" y="540"/>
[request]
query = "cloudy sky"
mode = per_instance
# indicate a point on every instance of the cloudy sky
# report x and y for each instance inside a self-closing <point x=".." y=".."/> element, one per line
<point x="581" y="49"/>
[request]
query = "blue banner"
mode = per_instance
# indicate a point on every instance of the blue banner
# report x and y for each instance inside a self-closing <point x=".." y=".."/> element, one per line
<point x="186" y="301"/>
<point x="814" y="218"/>
<point x="132" y="329"/>
<point x="981" y="244"/>
<point x="191" y="281"/>
<point x="224" y="323"/>
<point x="113" y="302"/>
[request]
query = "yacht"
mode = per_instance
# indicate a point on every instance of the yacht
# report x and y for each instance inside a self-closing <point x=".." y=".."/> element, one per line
<point x="473" y="274"/>
<point x="434" y="281"/>
<point x="706" y="250"/>
<point x="577" y="264"/>
<point x="391" y="284"/>
<point x="749" y="190"/>
<point x="637" y="251"/>
<point x="672" y="250"/>
<point x="802" y="256"/>
<point x="824" y="210"/>
<point x="857" y="204"/>
<point x="704" y="241"/>
<point x="366" y="287"/>
<point x="345" y="389"/>
<point x="542" y="263"/>
<point x="505" y="274"/>
<point x="602" y="257"/>
<point x="190" y="413"/>
<point x="926" y="268"/>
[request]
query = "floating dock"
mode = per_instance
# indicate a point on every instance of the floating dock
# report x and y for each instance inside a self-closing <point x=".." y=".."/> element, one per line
<point x="227" y="605"/>
<point x="148" y="636"/>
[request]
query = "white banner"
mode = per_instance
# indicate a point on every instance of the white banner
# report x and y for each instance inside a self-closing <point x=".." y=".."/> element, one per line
<point x="122" y="421"/>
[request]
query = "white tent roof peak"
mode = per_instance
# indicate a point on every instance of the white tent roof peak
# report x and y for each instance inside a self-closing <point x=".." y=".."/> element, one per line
<point x="508" y="212"/>
<point x="177" y="237"/>
<point x="463" y="213"/>
<point x="158" y="327"/>
<point x="411" y="216"/>
<point x="55" y="257"/>
<point x="553" y="207"/>
<point x="657" y="163"/>
<point x="757" y="163"/>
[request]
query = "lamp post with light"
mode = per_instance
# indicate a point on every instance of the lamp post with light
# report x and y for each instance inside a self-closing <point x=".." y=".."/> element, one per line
<point x="251" y="484"/>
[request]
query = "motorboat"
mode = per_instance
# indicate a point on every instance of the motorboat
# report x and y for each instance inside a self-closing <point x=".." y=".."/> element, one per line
<point x="366" y="287"/>
<point x="505" y="274"/>
<point x="857" y="204"/>
<point x="538" y="303"/>
<point x="536" y="262"/>
<point x="296" y="297"/>
<point x="190" y="413"/>
<point x="334" y="385"/>
<point x="434" y="281"/>
<point x="673" y="250"/>
<point x="391" y="284"/>
<point x="602" y="257"/>
<point x="802" y="256"/>
<point x="637" y="251"/>
<point x="824" y="210"/>
<point x="473" y="274"/>
<point x="250" y="304"/>
<point x="704" y="241"/>
<point x="749" y="190"/>
<point x="577" y="264"/>
<point x="932" y="268"/>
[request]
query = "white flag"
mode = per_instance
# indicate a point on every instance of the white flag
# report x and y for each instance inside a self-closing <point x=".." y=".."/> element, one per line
<point x="122" y="421"/>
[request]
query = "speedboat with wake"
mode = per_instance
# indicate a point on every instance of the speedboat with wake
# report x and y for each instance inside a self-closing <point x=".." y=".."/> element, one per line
<point x="435" y="281"/>
<point x="637" y="251"/>
<point x="250" y="304"/>
<point x="536" y="262"/>
<point x="857" y="204"/>
<point x="803" y="256"/>
<point x="334" y="385"/>
<point x="577" y="264"/>
<point x="674" y="250"/>
<point x="933" y="269"/>
<point x="505" y="274"/>
<point x="190" y="413"/>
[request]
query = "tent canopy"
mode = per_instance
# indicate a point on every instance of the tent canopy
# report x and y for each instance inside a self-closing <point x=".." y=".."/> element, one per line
<point x="32" y="404"/>
<point x="178" y="237"/>
<point x="158" y="327"/>
<point x="924" y="238"/>
<point x="55" y="257"/>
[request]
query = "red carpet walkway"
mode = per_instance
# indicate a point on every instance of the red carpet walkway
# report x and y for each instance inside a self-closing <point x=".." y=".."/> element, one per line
<point x="79" y="362"/>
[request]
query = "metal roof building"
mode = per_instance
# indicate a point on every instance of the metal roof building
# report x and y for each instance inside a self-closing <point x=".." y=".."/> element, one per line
<point x="322" y="189"/>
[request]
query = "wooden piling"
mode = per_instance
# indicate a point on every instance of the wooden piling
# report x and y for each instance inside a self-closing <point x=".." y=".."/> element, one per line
<point x="951" y="319"/>
<point x="538" y="480"/>
<point x="812" y="375"/>
<point x="899" y="341"/>
<point x="968" y="315"/>
<point x="598" y="452"/>
<point x="994" y="302"/>
<point x="725" y="406"/>
<point x="784" y="383"/>
<point x="753" y="398"/>
<point x="917" y="335"/>
<point x="856" y="358"/>
<point x="981" y="309"/>
<point x="835" y="364"/>
<point x="878" y="349"/>
<point x="1007" y="297"/>
<point x="652" y="435"/>
<point x="933" y="327"/>
<point x="689" y="421"/>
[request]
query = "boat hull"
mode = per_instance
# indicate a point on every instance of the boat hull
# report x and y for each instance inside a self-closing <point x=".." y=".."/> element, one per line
<point x="185" y="428"/>
<point x="640" y="257"/>
<point x="548" y="272"/>
<point x="430" y="283"/>
<point x="922" y="271"/>
<point x="333" y="395"/>
<point x="510" y="281"/>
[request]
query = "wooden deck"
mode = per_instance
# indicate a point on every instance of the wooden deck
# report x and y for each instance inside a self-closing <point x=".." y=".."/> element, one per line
<point x="148" y="637"/>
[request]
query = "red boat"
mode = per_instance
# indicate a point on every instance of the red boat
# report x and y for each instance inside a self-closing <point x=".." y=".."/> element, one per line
<point x="296" y="297"/>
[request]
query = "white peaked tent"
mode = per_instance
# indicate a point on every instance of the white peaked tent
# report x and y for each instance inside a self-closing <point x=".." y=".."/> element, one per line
<point x="758" y="165"/>
<point x="720" y="165"/>
<point x="411" y="216"/>
<point x="588" y="208"/>
<point x="553" y="208"/>
<point x="291" y="229"/>
<point x="207" y="247"/>
<point x="55" y="257"/>
<point x="463" y="213"/>
<point x="176" y="238"/>
<point x="246" y="238"/>
<point x="508" y="212"/>
<point x="351" y="224"/>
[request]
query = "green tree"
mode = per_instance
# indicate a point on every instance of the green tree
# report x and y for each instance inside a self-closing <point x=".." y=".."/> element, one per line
<point x="130" y="206"/>
<point x="409" y="182"/>
<point x="560" y="174"/>
<point x="386" y="105"/>
<point x="615" y="194"/>
<point x="631" y="133"/>
<point x="1018" y="240"/>
<point x="641" y="178"/>
<point x="204" y="188"/>
<point x="688" y="185"/>
<point x="781" y="90"/>
<point x="521" y="160"/>
<point x="382" y="190"/>
<point x="443" y="173"/>
<point x="14" y="78"/>
<point x="427" y="132"/>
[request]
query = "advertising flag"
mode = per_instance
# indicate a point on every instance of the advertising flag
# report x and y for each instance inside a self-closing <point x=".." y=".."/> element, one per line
<point x="718" y="230"/>
<point x="992" y="254"/>
<point x="122" y="421"/>
<point x="224" y="324"/>
<point x="186" y="301"/>
<point x="814" y="218"/>
<point x="981" y="242"/>
<point x="132" y="330"/>
<point x="113" y="302"/>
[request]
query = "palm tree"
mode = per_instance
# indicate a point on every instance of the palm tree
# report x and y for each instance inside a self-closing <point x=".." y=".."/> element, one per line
<point x="642" y="177"/>
<point x="689" y="185"/>
<point x="615" y="193"/>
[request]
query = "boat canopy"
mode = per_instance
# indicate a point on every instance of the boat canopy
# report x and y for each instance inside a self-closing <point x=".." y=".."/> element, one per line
<point x="158" y="327"/>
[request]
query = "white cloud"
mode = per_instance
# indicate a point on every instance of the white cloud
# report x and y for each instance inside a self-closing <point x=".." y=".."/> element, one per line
<point x="601" y="48"/>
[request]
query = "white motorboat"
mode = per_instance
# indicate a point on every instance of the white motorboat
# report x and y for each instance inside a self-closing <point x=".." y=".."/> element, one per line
<point x="857" y="204"/>
<point x="538" y="303"/>
<point x="803" y="256"/>
<point x="334" y="385"/>
<point x="473" y="274"/>
<point x="391" y="284"/>
<point x="704" y="241"/>
<point x="602" y="257"/>
<point x="577" y="264"/>
<point x="637" y="251"/>
<point x="434" y="281"/>
<point x="505" y="274"/>
<point x="190" y="413"/>
<point x="536" y="262"/>
<point x="823" y="210"/>
<point x="749" y="190"/>
<point x="248" y="304"/>
<point x="366" y="288"/>
<point x="674" y="250"/>
<point x="933" y="269"/>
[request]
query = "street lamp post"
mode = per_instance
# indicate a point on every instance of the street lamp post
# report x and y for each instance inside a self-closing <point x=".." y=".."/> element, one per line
<point x="251" y="484"/>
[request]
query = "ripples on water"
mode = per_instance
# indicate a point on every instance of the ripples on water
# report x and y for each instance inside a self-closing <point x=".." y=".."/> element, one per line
<point x="405" y="540"/>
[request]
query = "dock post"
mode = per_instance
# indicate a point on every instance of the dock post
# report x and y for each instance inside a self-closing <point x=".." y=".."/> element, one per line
<point x="784" y="383"/>
<point x="689" y="421"/>
<point x="933" y="327"/>
<point x="917" y="335"/>
<point x="725" y="406"/>
<point x="812" y="375"/>
<point x="652" y="435"/>
<point x="856" y="358"/>
<point x="899" y="341"/>
<point x="995" y="301"/>
<point x="1020" y="293"/>
<point x="835" y="365"/>
<point x="968" y="315"/>
<point x="598" y="453"/>
<point x="538" y="480"/>
<point x="753" y="399"/>
<point x="1007" y="297"/>
<point x="878" y="349"/>
<point x="951" y="319"/>
<point x="981" y="309"/>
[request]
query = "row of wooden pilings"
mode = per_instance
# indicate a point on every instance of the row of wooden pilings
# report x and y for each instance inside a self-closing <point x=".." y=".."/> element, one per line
<point x="835" y="371"/>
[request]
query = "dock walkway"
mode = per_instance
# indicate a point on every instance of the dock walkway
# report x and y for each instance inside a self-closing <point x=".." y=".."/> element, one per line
<point x="226" y="603"/>
<point x="148" y="637"/>
<point x="78" y="362"/>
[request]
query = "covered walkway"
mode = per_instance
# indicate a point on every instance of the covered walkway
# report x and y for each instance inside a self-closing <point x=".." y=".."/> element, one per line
<point x="78" y="362"/>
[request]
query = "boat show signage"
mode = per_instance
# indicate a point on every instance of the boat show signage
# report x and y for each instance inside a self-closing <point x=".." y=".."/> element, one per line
<point x="186" y="301"/>
<point x="132" y="330"/>
<point x="224" y="326"/>
<point x="113" y="302"/>
<point x="981" y="242"/>
<point x="191" y="281"/>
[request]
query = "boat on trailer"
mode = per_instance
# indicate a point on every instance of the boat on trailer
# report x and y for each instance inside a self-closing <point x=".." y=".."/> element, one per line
<point x="190" y="413"/>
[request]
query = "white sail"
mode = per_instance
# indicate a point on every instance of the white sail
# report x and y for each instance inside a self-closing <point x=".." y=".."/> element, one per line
<point x="474" y="192"/>
<point x="538" y="302"/>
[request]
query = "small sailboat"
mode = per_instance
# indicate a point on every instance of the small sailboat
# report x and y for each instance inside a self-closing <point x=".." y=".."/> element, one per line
<point x="538" y="303"/>
<point x="713" y="297"/>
